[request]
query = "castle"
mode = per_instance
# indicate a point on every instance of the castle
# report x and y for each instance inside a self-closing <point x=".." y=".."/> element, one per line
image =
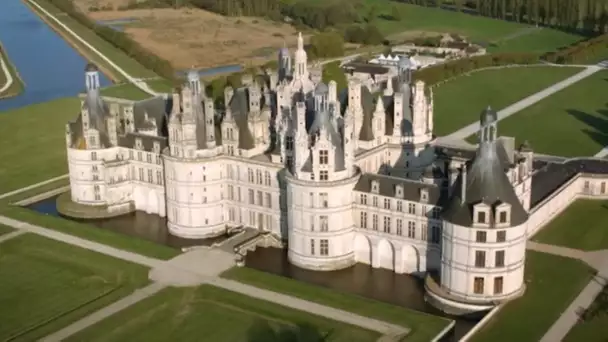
<point x="342" y="177"/>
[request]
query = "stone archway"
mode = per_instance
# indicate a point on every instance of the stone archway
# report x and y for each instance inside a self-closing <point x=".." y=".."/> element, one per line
<point x="362" y="249"/>
<point x="385" y="255"/>
<point x="410" y="259"/>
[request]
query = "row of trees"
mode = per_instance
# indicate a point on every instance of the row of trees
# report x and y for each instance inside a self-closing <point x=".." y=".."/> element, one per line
<point x="587" y="16"/>
<point x="441" y="72"/>
<point x="119" y="39"/>
<point x="580" y="52"/>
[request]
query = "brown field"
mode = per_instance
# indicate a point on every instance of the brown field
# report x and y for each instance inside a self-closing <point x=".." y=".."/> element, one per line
<point x="193" y="37"/>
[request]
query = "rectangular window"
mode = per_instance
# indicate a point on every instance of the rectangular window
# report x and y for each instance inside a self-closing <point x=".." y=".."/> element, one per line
<point x="131" y="154"/>
<point x="139" y="156"/>
<point x="399" y="206"/>
<point x="323" y="175"/>
<point x="478" y="285"/>
<point x="375" y="201"/>
<point x="480" y="259"/>
<point x="312" y="246"/>
<point x="260" y="199"/>
<point x="411" y="229"/>
<point x="480" y="236"/>
<point x="411" y="208"/>
<point x="502" y="217"/>
<point x="251" y="197"/>
<point x="501" y="236"/>
<point x="250" y="175"/>
<point x="436" y="212"/>
<point x="324" y="200"/>
<point x="499" y="259"/>
<point x="323" y="221"/>
<point x="149" y="158"/>
<point x="481" y="217"/>
<point x="399" y="227"/>
<point x="141" y="174"/>
<point x="375" y="222"/>
<point x="364" y="220"/>
<point x="498" y="285"/>
<point x="435" y="234"/>
<point x="93" y="155"/>
<point x="268" y="200"/>
<point x="289" y="143"/>
<point x="230" y="192"/>
<point x="150" y="177"/>
<point x="312" y="223"/>
<point x="258" y="176"/>
<point x="159" y="178"/>
<point x="364" y="199"/>
<point x="423" y="232"/>
<point x="387" y="203"/>
<point x="387" y="224"/>
<point x="323" y="157"/>
<point x="324" y="247"/>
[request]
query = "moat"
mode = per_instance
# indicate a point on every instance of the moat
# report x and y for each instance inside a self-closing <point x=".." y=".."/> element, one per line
<point x="362" y="280"/>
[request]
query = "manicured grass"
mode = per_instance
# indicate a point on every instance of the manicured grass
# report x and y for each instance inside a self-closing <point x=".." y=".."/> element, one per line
<point x="90" y="232"/>
<point x="423" y="326"/>
<point x="34" y="143"/>
<point x="209" y="313"/>
<point x="595" y="327"/>
<point x="537" y="40"/>
<point x="5" y="229"/>
<point x="117" y="56"/>
<point x="459" y="101"/>
<point x="47" y="284"/>
<point x="17" y="86"/>
<point x="125" y="91"/>
<point x="552" y="283"/>
<point x="420" y="18"/>
<point x="581" y="226"/>
<point x="35" y="191"/>
<point x="161" y="85"/>
<point x="572" y="122"/>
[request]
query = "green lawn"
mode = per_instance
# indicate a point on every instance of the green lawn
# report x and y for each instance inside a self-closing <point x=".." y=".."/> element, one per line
<point x="125" y="91"/>
<point x="572" y="122"/>
<point x="116" y="55"/>
<point x="161" y="85"/>
<point x="209" y="313"/>
<point x="538" y="40"/>
<point x="595" y="327"/>
<point x="5" y="229"/>
<point x="582" y="226"/>
<point x="423" y="326"/>
<point x="17" y="86"/>
<point x="47" y="284"/>
<point x="552" y="283"/>
<point x="35" y="191"/>
<point x="40" y="128"/>
<point x="459" y="101"/>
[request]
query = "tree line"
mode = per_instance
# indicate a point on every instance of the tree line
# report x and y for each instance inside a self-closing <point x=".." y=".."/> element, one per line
<point x="584" y="16"/>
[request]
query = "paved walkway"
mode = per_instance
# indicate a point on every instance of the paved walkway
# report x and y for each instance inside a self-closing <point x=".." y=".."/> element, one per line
<point x="528" y="101"/>
<point x="597" y="260"/>
<point x="602" y="153"/>
<point x="29" y="187"/>
<point x="11" y="235"/>
<point x="137" y="82"/>
<point x="109" y="310"/>
<point x="7" y="73"/>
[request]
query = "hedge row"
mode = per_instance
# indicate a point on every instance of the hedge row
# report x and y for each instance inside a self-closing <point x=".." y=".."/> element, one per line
<point x="579" y="52"/>
<point x="119" y="39"/>
<point x="440" y="72"/>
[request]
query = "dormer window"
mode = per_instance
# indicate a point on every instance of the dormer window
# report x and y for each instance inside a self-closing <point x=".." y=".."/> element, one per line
<point x="323" y="157"/>
<point x="424" y="195"/>
<point x="481" y="214"/>
<point x="375" y="187"/>
<point x="156" y="147"/>
<point x="138" y="143"/>
<point x="399" y="191"/>
<point x="503" y="212"/>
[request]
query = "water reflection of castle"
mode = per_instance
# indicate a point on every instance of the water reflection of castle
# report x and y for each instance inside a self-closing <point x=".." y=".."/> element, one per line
<point x="343" y="177"/>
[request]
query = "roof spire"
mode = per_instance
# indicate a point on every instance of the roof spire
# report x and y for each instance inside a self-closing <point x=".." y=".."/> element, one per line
<point x="300" y="41"/>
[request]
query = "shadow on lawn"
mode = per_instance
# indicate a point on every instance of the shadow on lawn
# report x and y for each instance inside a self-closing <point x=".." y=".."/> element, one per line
<point x="597" y="124"/>
<point x="262" y="331"/>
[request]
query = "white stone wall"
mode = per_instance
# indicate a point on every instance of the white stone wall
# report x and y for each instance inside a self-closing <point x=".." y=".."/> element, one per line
<point x="458" y="261"/>
<point x="320" y="223"/>
<point x="194" y="197"/>
<point x="86" y="170"/>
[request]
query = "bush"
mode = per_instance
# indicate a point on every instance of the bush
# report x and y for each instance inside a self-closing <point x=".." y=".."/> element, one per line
<point x="427" y="41"/>
<point x="441" y="72"/>
<point x="363" y="34"/>
<point x="579" y="52"/>
<point x="120" y="40"/>
<point x="326" y="44"/>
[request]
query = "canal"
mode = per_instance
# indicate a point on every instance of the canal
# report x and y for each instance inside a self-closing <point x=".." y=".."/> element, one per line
<point x="362" y="280"/>
<point x="47" y="64"/>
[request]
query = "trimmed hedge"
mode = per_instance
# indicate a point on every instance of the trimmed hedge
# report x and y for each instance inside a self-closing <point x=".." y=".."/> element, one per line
<point x="578" y="52"/>
<point x="119" y="39"/>
<point x="440" y="72"/>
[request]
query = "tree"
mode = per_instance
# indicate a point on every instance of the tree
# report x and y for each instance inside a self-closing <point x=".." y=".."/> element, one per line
<point x="326" y="44"/>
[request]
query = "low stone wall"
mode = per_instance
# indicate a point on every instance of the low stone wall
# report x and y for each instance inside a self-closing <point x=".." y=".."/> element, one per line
<point x="66" y="207"/>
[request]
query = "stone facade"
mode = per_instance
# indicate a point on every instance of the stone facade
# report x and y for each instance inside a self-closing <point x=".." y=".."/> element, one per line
<point x="342" y="177"/>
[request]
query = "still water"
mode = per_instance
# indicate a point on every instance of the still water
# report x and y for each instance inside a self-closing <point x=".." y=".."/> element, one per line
<point x="47" y="64"/>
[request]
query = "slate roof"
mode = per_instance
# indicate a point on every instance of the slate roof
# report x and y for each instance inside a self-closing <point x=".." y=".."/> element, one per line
<point x="367" y="68"/>
<point x="486" y="182"/>
<point x="239" y="109"/>
<point x="411" y="189"/>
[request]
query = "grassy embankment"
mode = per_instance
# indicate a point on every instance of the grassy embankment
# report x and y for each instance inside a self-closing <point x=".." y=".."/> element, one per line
<point x="17" y="85"/>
